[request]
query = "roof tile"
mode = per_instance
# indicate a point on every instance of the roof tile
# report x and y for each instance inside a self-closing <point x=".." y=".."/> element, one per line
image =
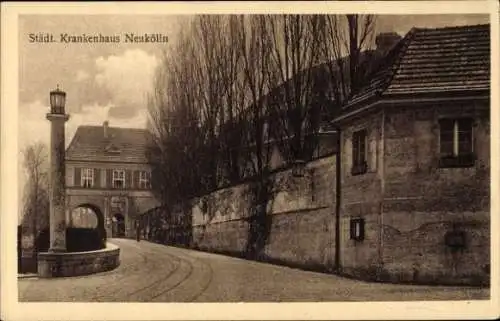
<point x="121" y="145"/>
<point x="433" y="60"/>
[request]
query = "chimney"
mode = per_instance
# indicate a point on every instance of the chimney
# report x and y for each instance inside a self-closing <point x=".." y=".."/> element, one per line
<point x="386" y="41"/>
<point x="105" y="127"/>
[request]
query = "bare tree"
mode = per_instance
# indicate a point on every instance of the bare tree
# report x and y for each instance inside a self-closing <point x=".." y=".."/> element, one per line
<point x="295" y="51"/>
<point x="255" y="47"/>
<point x="209" y="78"/>
<point x="36" y="197"/>
<point x="175" y="125"/>
<point x="196" y="110"/>
<point x="344" y="41"/>
<point x="233" y="117"/>
<point x="233" y="88"/>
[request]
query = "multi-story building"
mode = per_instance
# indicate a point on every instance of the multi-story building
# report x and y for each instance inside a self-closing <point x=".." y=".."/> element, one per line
<point x="107" y="173"/>
<point x="415" y="178"/>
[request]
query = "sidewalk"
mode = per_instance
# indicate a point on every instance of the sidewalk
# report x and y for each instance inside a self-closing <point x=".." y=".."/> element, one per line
<point x="26" y="275"/>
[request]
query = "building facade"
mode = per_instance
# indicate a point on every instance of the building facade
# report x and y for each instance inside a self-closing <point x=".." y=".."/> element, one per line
<point x="415" y="178"/>
<point x="107" y="173"/>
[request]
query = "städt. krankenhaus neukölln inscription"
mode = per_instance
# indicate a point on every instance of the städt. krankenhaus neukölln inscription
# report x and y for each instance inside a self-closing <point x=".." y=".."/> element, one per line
<point x="130" y="37"/>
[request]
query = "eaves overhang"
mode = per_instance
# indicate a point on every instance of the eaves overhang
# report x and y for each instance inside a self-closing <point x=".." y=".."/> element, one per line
<point x="405" y="99"/>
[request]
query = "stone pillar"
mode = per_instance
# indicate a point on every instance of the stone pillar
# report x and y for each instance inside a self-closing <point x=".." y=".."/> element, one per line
<point x="107" y="217"/>
<point x="57" y="182"/>
<point x="126" y="215"/>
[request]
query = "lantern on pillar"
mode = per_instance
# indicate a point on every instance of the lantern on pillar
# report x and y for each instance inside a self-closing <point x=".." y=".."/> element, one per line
<point x="57" y="101"/>
<point x="57" y="118"/>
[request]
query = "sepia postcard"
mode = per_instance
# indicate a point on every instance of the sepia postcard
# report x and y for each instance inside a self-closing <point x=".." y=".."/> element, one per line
<point x="250" y="160"/>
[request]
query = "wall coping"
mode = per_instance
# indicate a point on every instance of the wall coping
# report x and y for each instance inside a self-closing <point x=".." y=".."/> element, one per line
<point x="67" y="264"/>
<point x="109" y="247"/>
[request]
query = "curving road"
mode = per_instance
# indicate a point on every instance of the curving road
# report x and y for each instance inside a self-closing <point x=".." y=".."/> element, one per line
<point x="151" y="272"/>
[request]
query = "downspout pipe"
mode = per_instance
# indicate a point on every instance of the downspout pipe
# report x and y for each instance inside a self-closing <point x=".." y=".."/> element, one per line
<point x="338" y="198"/>
<point x="382" y="196"/>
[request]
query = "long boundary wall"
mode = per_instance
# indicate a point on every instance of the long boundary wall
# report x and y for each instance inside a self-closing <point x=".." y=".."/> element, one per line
<point x="300" y="231"/>
<point x="299" y="226"/>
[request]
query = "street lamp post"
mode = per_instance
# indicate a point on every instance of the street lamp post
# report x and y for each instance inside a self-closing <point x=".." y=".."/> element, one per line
<point x="57" y="118"/>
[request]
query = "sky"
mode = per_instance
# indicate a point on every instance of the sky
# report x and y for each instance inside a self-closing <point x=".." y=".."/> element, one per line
<point x="110" y="81"/>
<point x="102" y="81"/>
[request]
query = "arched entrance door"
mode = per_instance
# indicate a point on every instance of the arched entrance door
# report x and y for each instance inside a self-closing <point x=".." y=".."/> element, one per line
<point x="118" y="226"/>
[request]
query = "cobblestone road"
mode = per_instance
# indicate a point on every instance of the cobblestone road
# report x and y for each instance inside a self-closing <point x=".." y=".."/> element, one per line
<point x="155" y="273"/>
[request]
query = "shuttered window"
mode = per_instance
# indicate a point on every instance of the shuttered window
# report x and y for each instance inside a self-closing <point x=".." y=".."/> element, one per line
<point x="128" y="179"/>
<point x="109" y="178"/>
<point x="135" y="178"/>
<point x="97" y="177"/>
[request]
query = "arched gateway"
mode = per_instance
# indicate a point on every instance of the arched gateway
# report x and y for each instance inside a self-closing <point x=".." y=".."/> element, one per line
<point x="87" y="216"/>
<point x="85" y="228"/>
<point x="107" y="171"/>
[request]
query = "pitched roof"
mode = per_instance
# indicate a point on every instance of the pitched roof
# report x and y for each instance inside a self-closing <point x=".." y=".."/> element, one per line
<point x="442" y="60"/>
<point x="120" y="145"/>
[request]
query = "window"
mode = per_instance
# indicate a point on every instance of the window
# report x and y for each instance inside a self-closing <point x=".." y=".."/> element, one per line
<point x="455" y="142"/>
<point x="87" y="180"/>
<point x="118" y="178"/>
<point x="144" y="179"/>
<point x="455" y="239"/>
<point x="112" y="149"/>
<point x="357" y="228"/>
<point x="359" y="152"/>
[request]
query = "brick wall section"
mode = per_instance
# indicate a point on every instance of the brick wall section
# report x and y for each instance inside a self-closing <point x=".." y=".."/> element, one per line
<point x="301" y="217"/>
<point x="361" y="198"/>
<point x="421" y="255"/>
<point x="423" y="202"/>
<point x="405" y="227"/>
<point x="412" y="170"/>
<point x="303" y="238"/>
<point x="227" y="237"/>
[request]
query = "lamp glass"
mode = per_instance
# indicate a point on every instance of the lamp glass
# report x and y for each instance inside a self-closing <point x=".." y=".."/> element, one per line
<point x="57" y="101"/>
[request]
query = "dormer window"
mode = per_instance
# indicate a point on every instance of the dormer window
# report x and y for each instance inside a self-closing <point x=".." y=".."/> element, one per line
<point x="118" y="178"/>
<point x="112" y="149"/>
